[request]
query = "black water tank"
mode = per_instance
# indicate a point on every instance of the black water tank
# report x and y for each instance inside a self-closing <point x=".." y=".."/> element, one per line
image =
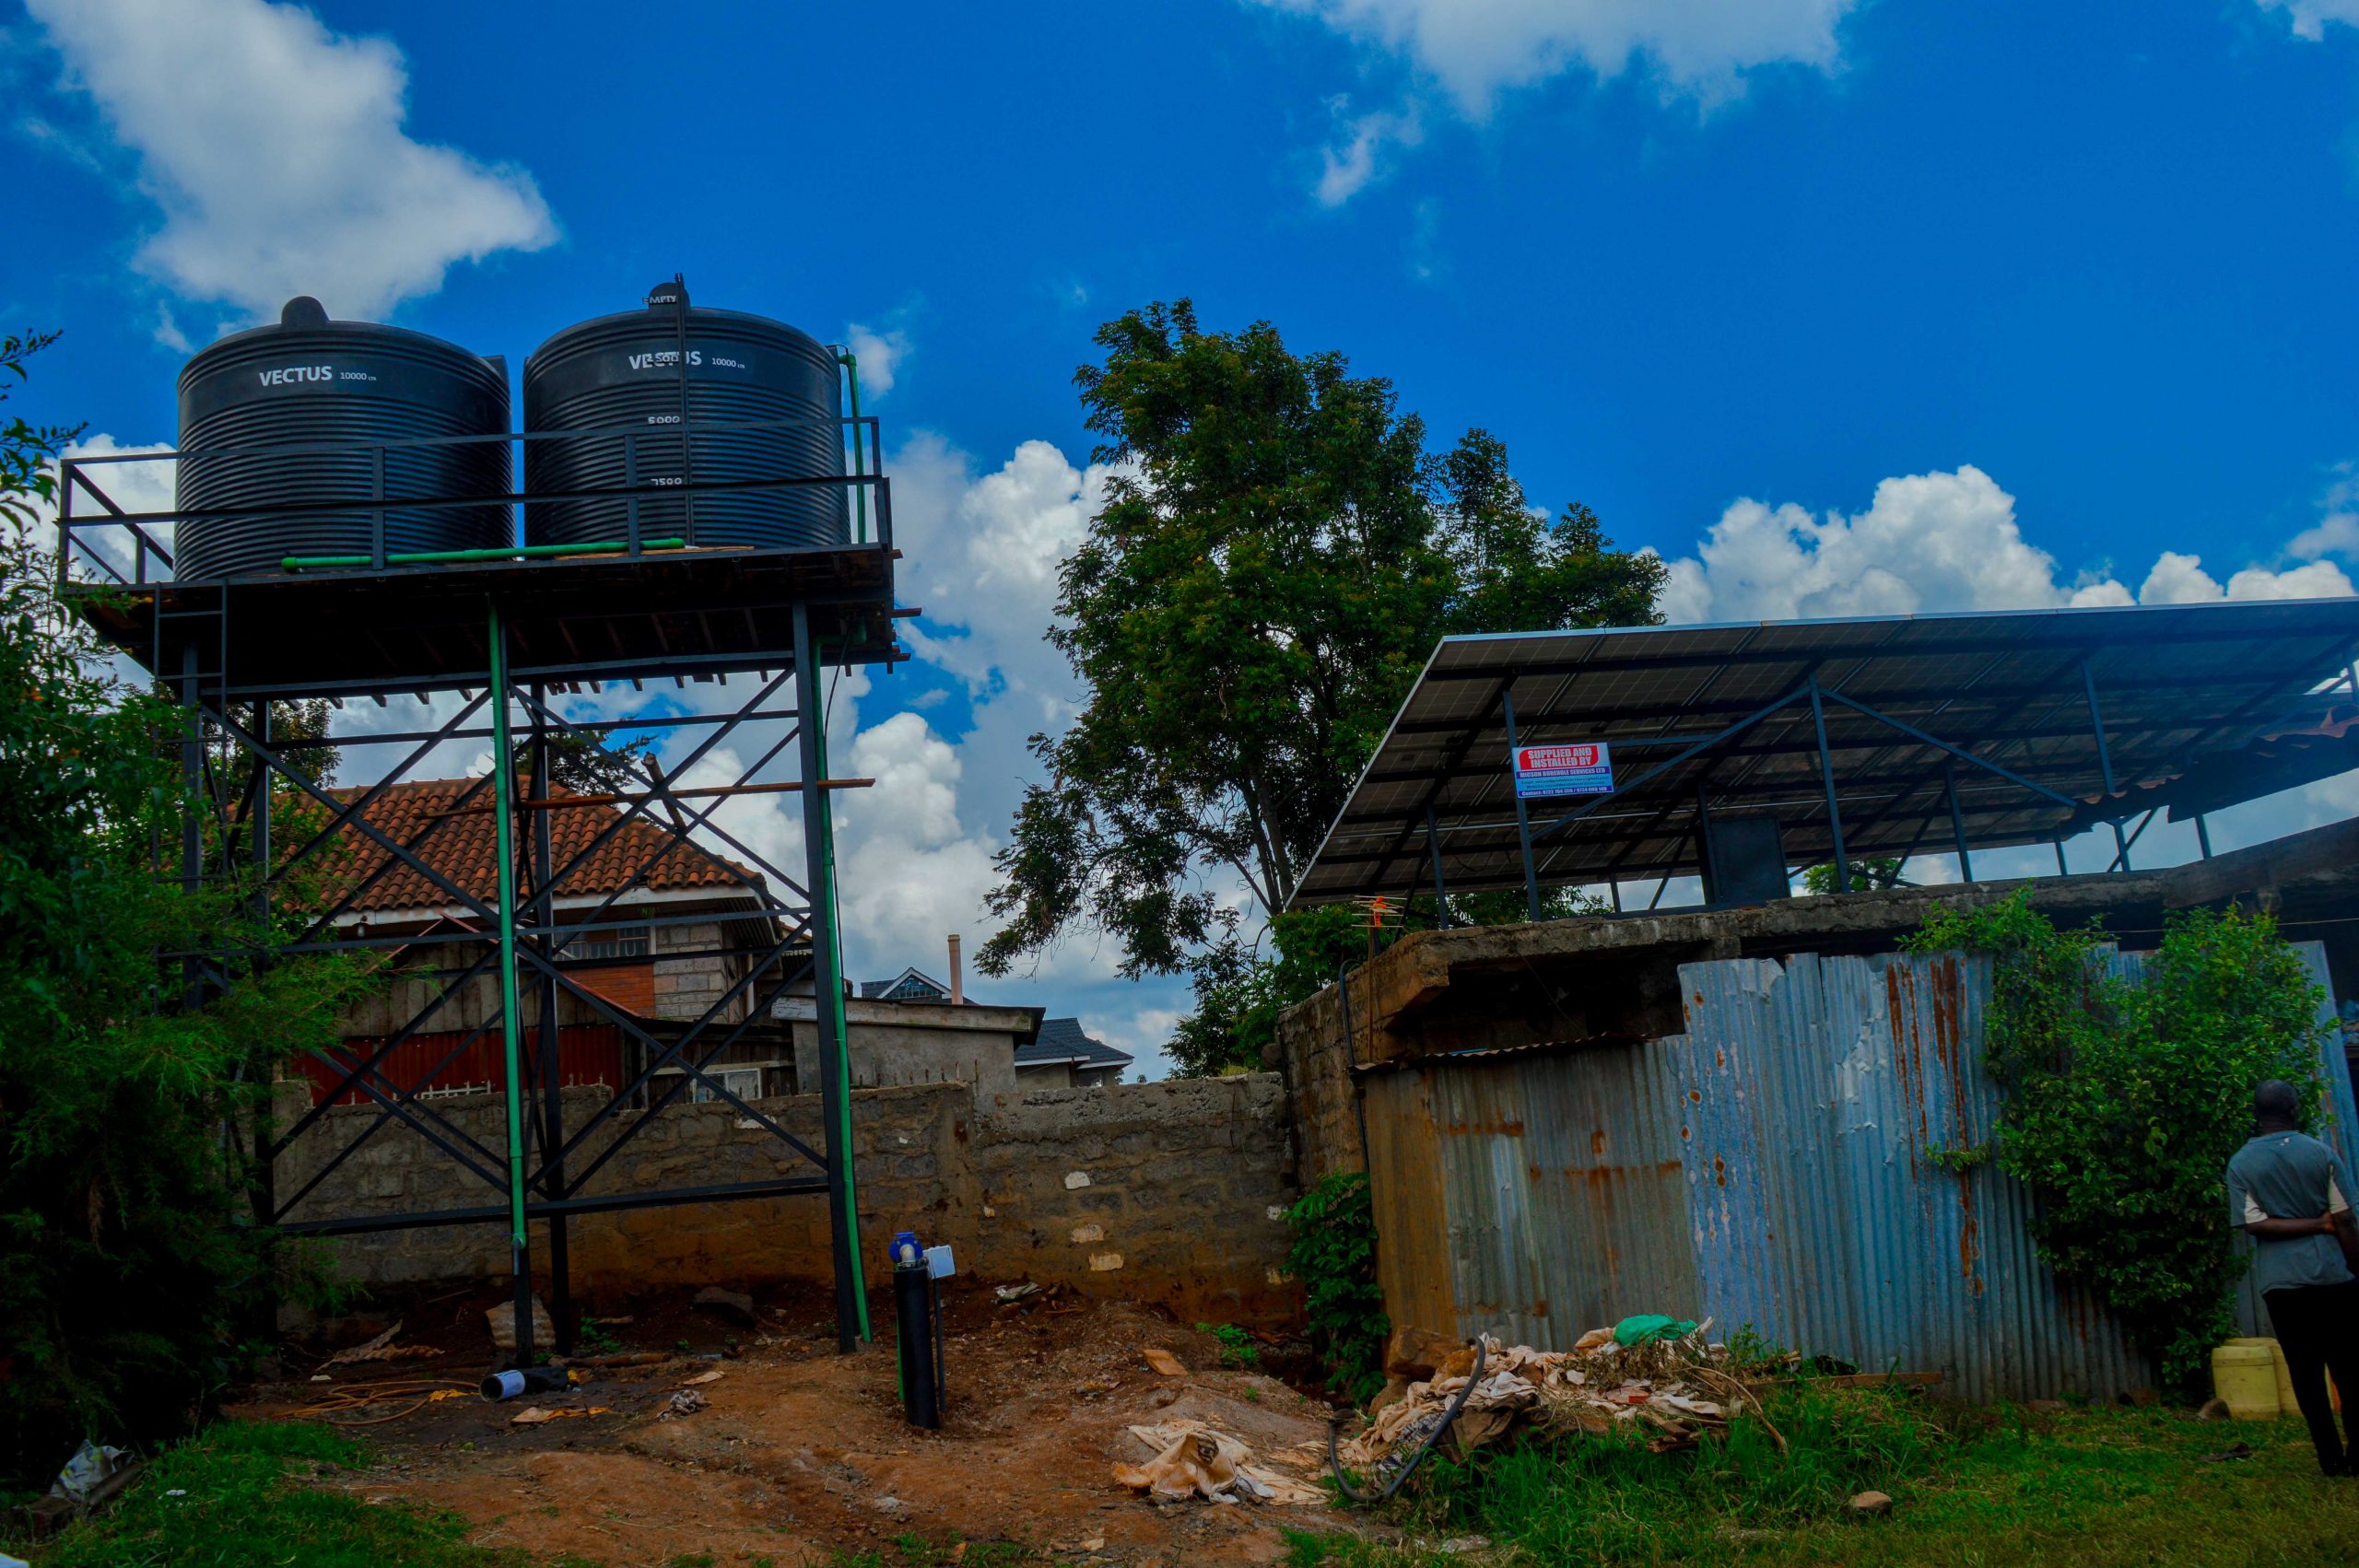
<point x="309" y="379"/>
<point x="647" y="372"/>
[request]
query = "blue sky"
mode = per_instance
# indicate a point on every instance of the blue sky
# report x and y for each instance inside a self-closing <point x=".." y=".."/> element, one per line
<point x="1882" y="306"/>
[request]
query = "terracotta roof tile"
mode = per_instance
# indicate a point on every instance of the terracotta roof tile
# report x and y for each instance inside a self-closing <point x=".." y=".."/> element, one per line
<point x="463" y="845"/>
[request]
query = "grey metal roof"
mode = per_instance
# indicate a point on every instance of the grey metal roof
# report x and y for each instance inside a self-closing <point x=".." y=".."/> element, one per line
<point x="1063" y="1041"/>
<point x="2173" y="682"/>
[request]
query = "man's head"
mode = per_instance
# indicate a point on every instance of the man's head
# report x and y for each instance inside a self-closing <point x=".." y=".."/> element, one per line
<point x="2277" y="1104"/>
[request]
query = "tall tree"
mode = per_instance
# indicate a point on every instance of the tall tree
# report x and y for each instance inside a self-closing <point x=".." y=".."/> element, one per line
<point x="123" y="1280"/>
<point x="1272" y="565"/>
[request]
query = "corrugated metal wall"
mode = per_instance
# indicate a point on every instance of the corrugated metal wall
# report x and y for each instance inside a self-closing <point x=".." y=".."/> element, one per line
<point x="1780" y="1165"/>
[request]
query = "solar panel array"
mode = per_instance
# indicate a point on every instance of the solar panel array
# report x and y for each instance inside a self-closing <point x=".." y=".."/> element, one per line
<point x="2011" y="689"/>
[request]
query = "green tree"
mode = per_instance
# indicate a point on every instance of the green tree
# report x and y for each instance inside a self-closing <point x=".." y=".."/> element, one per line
<point x="2124" y="1101"/>
<point x="1272" y="565"/>
<point x="588" y="765"/>
<point x="123" y="1277"/>
<point x="1866" y="875"/>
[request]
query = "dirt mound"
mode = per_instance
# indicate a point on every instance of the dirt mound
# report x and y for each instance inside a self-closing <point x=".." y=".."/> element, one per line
<point x="799" y="1452"/>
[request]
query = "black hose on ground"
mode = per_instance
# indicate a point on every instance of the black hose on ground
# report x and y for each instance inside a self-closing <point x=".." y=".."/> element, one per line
<point x="1449" y="1415"/>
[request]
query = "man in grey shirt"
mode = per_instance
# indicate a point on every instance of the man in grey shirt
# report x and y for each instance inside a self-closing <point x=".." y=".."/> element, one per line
<point x="2291" y="1193"/>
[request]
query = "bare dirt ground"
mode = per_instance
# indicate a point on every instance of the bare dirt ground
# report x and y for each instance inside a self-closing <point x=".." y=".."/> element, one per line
<point x="799" y="1453"/>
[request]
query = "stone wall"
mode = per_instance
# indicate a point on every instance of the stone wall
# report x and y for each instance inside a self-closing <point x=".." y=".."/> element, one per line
<point x="1162" y="1192"/>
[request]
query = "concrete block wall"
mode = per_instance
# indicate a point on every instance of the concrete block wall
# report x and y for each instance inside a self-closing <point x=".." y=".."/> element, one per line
<point x="1313" y="1053"/>
<point x="1170" y="1192"/>
<point x="690" y="974"/>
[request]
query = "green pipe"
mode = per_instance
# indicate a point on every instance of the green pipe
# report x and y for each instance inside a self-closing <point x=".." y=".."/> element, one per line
<point x="504" y="794"/>
<point x="851" y="363"/>
<point x="842" y="1108"/>
<point x="438" y="558"/>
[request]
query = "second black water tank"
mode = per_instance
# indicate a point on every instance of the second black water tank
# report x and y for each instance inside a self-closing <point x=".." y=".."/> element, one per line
<point x="287" y="416"/>
<point x="647" y="372"/>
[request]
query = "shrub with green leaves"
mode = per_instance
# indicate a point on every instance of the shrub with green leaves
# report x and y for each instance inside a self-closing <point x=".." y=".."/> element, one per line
<point x="127" y="1275"/>
<point x="1334" y="1257"/>
<point x="2125" y="1099"/>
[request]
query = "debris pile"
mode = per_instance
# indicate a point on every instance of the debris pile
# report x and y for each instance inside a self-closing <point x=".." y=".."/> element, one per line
<point x="1650" y="1371"/>
<point x="1194" y="1460"/>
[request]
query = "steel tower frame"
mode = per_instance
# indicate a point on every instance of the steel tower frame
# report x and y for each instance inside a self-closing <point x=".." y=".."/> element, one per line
<point x="509" y="635"/>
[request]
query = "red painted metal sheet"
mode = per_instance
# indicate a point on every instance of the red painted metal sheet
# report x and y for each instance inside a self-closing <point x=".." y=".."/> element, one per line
<point x="592" y="1054"/>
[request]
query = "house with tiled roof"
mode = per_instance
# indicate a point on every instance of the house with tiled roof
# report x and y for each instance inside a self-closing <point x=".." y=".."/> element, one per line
<point x="671" y="932"/>
<point x="676" y="928"/>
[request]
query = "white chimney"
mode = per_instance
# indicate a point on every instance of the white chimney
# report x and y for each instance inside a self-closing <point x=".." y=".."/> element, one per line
<point x="958" y="979"/>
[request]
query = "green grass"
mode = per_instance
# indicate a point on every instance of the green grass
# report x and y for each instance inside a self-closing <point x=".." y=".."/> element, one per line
<point x="1237" y="1346"/>
<point x="2000" y="1486"/>
<point x="244" y="1507"/>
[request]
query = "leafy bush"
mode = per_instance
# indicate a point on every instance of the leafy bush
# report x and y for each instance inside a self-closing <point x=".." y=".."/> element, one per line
<point x="1334" y="1256"/>
<point x="2124" y="1100"/>
<point x="125" y="1115"/>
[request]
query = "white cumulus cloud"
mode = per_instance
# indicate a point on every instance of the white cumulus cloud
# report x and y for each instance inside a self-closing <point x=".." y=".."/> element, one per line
<point x="1934" y="542"/>
<point x="277" y="154"/>
<point x="2309" y="17"/>
<point x="879" y="352"/>
<point x="1362" y="152"/>
<point x="132" y="486"/>
<point x="1476" y="49"/>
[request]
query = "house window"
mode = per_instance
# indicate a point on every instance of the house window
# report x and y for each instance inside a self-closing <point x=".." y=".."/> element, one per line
<point x="626" y="941"/>
<point x="745" y="1082"/>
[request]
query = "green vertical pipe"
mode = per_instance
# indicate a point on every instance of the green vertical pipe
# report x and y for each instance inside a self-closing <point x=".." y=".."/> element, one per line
<point x="851" y="363"/>
<point x="842" y="1107"/>
<point x="504" y="794"/>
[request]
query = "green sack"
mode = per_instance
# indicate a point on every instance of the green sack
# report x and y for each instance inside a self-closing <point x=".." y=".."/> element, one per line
<point x="1649" y="1327"/>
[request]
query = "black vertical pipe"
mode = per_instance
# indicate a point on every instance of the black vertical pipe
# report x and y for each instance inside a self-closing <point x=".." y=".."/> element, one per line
<point x="2202" y="837"/>
<point x="1957" y="821"/>
<point x="810" y="713"/>
<point x="1826" y="774"/>
<point x="2059" y="859"/>
<point x="542" y="867"/>
<point x="914" y="1338"/>
<point x="1433" y="850"/>
<point x="1522" y="817"/>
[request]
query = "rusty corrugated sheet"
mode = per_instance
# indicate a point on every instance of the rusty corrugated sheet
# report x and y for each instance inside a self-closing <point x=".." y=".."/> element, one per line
<point x="1787" y="1163"/>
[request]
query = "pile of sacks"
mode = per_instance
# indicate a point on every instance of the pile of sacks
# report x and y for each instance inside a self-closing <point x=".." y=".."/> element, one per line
<point x="1651" y="1371"/>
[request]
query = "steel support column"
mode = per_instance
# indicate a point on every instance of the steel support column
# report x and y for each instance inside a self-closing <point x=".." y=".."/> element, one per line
<point x="192" y="820"/>
<point x="503" y="785"/>
<point x="2202" y="835"/>
<point x="1522" y="816"/>
<point x="1957" y="821"/>
<point x="1827" y="777"/>
<point x="543" y="868"/>
<point x="1433" y="850"/>
<point x="2105" y="764"/>
<point x="826" y="980"/>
